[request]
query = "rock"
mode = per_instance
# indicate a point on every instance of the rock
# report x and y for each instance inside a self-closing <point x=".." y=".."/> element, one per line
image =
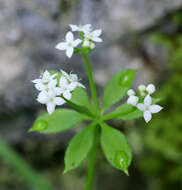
<point x="31" y="29"/>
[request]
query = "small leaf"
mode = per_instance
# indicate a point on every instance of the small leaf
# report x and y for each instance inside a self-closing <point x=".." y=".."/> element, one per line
<point x="133" y="115"/>
<point x="60" y="120"/>
<point x="116" y="148"/>
<point x="122" y="110"/>
<point x="117" y="87"/>
<point x="80" y="97"/>
<point x="79" y="148"/>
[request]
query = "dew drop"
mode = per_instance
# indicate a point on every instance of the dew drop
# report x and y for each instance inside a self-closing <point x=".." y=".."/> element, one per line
<point x="40" y="125"/>
<point x="121" y="160"/>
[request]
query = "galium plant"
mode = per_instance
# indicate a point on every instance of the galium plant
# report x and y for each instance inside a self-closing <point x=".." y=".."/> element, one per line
<point x="58" y="87"/>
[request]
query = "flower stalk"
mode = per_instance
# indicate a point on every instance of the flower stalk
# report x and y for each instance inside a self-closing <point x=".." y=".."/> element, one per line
<point x="92" y="161"/>
<point x="91" y="82"/>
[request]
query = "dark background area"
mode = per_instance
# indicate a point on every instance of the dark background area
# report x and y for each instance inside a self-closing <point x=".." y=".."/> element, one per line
<point x="142" y="34"/>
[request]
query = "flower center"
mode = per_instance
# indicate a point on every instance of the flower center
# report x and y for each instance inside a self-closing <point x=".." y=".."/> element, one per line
<point x="70" y="44"/>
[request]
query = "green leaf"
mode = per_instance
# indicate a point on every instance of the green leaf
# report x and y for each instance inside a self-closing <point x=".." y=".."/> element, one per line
<point x="60" y="120"/>
<point x="116" y="148"/>
<point x="79" y="148"/>
<point x="117" y="87"/>
<point x="130" y="116"/>
<point x="80" y="97"/>
<point x="126" y="112"/>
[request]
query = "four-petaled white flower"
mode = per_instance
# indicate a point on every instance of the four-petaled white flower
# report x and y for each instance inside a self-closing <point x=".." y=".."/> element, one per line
<point x="50" y="99"/>
<point x="46" y="81"/>
<point x="148" y="109"/>
<point x="69" y="44"/>
<point x="94" y="35"/>
<point x="81" y="28"/>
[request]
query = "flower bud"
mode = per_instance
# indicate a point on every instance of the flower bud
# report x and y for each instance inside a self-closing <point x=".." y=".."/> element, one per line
<point x="131" y="92"/>
<point x="150" y="88"/>
<point x="132" y="100"/>
<point x="92" y="45"/>
<point x="86" y="43"/>
<point x="141" y="87"/>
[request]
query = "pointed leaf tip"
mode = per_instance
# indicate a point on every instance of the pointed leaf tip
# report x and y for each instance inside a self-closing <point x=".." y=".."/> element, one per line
<point x="39" y="125"/>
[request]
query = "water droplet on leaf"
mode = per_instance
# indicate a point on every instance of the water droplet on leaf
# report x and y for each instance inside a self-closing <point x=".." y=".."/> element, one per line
<point x="121" y="161"/>
<point x="39" y="125"/>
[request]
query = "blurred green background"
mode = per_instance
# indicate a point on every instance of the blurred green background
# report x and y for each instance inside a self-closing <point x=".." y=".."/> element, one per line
<point x="142" y="34"/>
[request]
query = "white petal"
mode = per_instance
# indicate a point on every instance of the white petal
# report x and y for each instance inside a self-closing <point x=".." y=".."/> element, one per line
<point x="51" y="107"/>
<point x="73" y="27"/>
<point x="58" y="91"/>
<point x="37" y="81"/>
<point x="52" y="83"/>
<point x="63" y="81"/>
<point x="97" y="39"/>
<point x="73" y="77"/>
<point x="76" y="42"/>
<point x="72" y="86"/>
<point x="59" y="101"/>
<point x="46" y="75"/>
<point x="40" y="86"/>
<point x="148" y="100"/>
<point x="150" y="88"/>
<point x="97" y="33"/>
<point x="133" y="100"/>
<point x="69" y="52"/>
<point x="81" y="85"/>
<point x="65" y="74"/>
<point x="141" y="107"/>
<point x="54" y="75"/>
<point x="147" y="116"/>
<point x="62" y="46"/>
<point x="69" y="37"/>
<point x="155" y="108"/>
<point x="42" y="97"/>
<point x="67" y="94"/>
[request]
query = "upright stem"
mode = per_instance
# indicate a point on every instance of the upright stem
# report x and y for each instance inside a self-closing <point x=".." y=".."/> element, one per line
<point x="91" y="81"/>
<point x="92" y="154"/>
<point x="92" y="160"/>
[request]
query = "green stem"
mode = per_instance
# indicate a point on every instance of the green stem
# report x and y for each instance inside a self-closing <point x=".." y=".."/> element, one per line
<point x="92" y="160"/>
<point x="78" y="108"/>
<point x="91" y="81"/>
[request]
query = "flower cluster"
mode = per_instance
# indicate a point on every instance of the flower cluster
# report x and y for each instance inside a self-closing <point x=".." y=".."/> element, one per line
<point x="144" y="101"/>
<point x="55" y="88"/>
<point x="88" y="38"/>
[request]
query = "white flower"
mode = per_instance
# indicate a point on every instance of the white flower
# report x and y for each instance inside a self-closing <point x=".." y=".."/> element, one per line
<point x="46" y="81"/>
<point x="66" y="87"/>
<point x="132" y="100"/>
<point x="150" y="89"/>
<point x="148" y="109"/>
<point x="72" y="79"/>
<point x="49" y="98"/>
<point x="131" y="92"/>
<point x="94" y="35"/>
<point x="81" y="28"/>
<point x="69" y="44"/>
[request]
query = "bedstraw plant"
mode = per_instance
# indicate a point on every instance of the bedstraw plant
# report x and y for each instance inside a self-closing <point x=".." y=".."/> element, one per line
<point x="59" y="87"/>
